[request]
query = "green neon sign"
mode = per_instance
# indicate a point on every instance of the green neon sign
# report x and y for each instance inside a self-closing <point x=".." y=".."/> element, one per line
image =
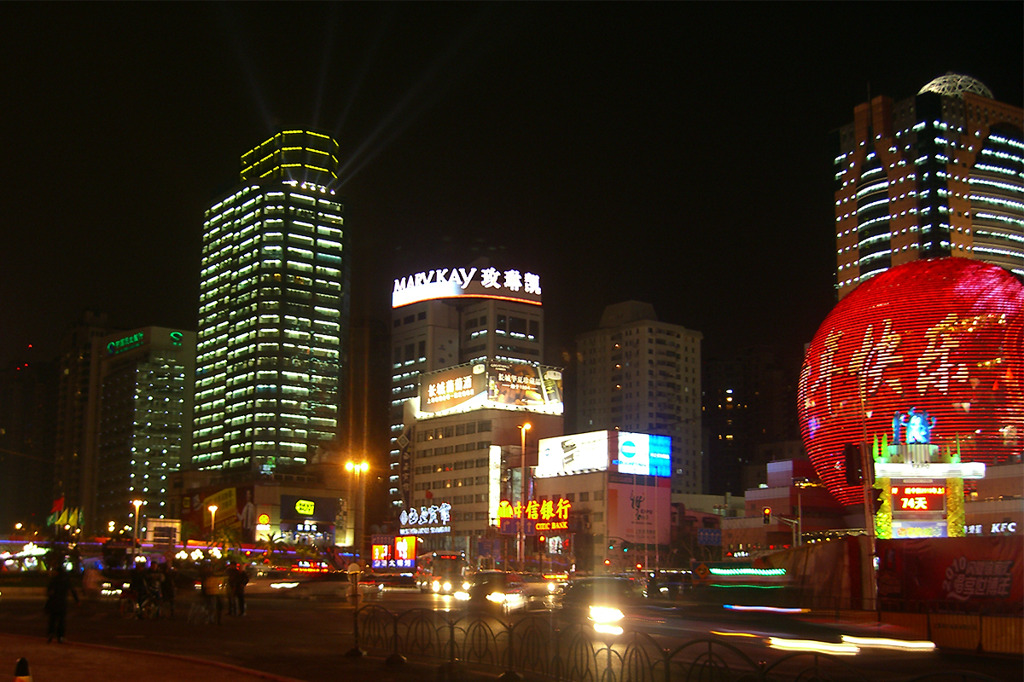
<point x="125" y="343"/>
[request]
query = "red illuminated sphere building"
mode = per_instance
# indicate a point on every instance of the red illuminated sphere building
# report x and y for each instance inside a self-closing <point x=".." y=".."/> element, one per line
<point x="942" y="336"/>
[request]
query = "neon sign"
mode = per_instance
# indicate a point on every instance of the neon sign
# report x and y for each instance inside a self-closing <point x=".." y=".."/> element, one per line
<point x="125" y="343"/>
<point x="434" y="519"/>
<point x="540" y="511"/>
<point x="511" y="284"/>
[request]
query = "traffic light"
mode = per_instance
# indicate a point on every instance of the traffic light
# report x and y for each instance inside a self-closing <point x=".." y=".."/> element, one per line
<point x="853" y="464"/>
<point x="541" y="540"/>
<point x="766" y="515"/>
<point x="876" y="500"/>
<point x="626" y="546"/>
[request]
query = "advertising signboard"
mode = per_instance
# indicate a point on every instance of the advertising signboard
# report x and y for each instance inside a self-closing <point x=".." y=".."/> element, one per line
<point x="575" y="454"/>
<point x="467" y="282"/>
<point x="980" y="570"/>
<point x="498" y="385"/>
<point x="235" y="511"/>
<point x="393" y="552"/>
<point x="303" y="508"/>
<point x="638" y="454"/>
<point x="643" y="454"/>
<point x="639" y="511"/>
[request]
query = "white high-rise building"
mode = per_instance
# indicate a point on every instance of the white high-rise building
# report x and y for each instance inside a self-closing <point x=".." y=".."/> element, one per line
<point x="640" y="375"/>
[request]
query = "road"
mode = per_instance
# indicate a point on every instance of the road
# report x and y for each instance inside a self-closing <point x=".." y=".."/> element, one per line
<point x="305" y="638"/>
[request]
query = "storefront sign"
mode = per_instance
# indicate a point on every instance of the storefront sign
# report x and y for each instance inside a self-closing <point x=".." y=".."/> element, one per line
<point x="431" y="520"/>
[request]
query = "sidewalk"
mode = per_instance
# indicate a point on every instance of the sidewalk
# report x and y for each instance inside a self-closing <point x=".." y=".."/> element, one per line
<point x="52" y="662"/>
<point x="73" y="661"/>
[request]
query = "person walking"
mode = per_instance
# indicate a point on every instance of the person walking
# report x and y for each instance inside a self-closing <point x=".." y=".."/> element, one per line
<point x="237" y="580"/>
<point x="57" y="591"/>
<point x="167" y="588"/>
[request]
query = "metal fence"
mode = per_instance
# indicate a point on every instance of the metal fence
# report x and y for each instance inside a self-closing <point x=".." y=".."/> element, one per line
<point x="542" y="648"/>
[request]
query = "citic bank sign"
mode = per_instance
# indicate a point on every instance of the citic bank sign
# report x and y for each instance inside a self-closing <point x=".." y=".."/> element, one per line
<point x="542" y="515"/>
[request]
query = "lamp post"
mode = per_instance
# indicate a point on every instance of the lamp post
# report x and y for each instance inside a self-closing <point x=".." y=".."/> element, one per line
<point x="213" y="520"/>
<point x="520" y="529"/>
<point x="135" y="544"/>
<point x="357" y="469"/>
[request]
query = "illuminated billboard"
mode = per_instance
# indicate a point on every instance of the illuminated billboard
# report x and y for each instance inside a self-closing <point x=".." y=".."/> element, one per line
<point x="511" y="285"/>
<point x="494" y="384"/>
<point x="575" y="454"/>
<point x="638" y="454"/>
<point x="643" y="455"/>
<point x="393" y="552"/>
<point x="939" y="339"/>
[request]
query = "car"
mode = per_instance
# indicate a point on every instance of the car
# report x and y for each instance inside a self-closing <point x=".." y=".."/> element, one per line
<point x="604" y="601"/>
<point x="394" y="582"/>
<point x="507" y="591"/>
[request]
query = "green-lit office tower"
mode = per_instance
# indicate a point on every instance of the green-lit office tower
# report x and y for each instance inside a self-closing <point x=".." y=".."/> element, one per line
<point x="273" y="310"/>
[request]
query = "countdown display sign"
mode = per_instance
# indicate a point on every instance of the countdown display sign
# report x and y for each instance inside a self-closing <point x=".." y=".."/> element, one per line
<point x="917" y="498"/>
<point x="943" y="336"/>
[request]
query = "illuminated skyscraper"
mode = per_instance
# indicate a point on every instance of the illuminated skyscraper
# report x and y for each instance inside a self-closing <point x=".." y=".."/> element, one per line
<point x="273" y="310"/>
<point x="934" y="175"/>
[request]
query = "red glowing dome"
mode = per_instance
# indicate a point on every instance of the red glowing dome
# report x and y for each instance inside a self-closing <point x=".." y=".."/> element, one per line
<point x="943" y="337"/>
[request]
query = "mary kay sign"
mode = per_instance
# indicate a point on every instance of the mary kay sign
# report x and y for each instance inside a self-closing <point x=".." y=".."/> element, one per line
<point x="511" y="284"/>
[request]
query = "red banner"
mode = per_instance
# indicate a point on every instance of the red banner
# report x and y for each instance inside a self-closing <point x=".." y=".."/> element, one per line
<point x="977" y="572"/>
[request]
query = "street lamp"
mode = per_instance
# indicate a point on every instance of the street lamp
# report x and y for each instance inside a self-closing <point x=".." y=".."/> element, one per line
<point x="213" y="520"/>
<point x="357" y="469"/>
<point x="520" y="529"/>
<point x="136" y="503"/>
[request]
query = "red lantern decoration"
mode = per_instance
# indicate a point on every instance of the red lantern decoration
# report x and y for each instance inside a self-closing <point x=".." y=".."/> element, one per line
<point x="933" y="349"/>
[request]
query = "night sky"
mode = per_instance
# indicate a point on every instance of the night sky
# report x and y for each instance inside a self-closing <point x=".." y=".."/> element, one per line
<point x="675" y="153"/>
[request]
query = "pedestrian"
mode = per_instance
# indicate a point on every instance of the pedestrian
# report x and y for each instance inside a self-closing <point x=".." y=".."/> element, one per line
<point x="167" y="588"/>
<point x="237" y="580"/>
<point x="57" y="591"/>
<point x="210" y="590"/>
<point x="137" y="586"/>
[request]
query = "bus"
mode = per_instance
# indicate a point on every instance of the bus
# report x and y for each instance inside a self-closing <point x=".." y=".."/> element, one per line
<point x="442" y="572"/>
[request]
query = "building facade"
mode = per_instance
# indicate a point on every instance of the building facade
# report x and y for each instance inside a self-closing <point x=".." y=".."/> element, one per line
<point x="641" y="375"/>
<point x="28" y="404"/>
<point x="447" y="317"/>
<point x="934" y="175"/>
<point x="273" y="310"/>
<point x="139" y="424"/>
<point x="74" y="365"/>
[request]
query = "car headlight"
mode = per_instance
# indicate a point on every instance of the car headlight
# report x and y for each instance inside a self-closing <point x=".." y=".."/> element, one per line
<point x="435" y="586"/>
<point x="605" y="614"/>
<point x="496" y="597"/>
<point x="605" y="619"/>
<point x="447" y="586"/>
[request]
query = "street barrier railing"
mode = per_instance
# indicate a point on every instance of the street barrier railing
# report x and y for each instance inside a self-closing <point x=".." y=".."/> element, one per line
<point x="545" y="648"/>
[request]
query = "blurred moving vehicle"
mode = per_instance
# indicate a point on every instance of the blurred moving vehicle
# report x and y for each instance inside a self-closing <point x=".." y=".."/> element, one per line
<point x="508" y="591"/>
<point x="670" y="584"/>
<point x="604" y="601"/>
<point x="442" y="572"/>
